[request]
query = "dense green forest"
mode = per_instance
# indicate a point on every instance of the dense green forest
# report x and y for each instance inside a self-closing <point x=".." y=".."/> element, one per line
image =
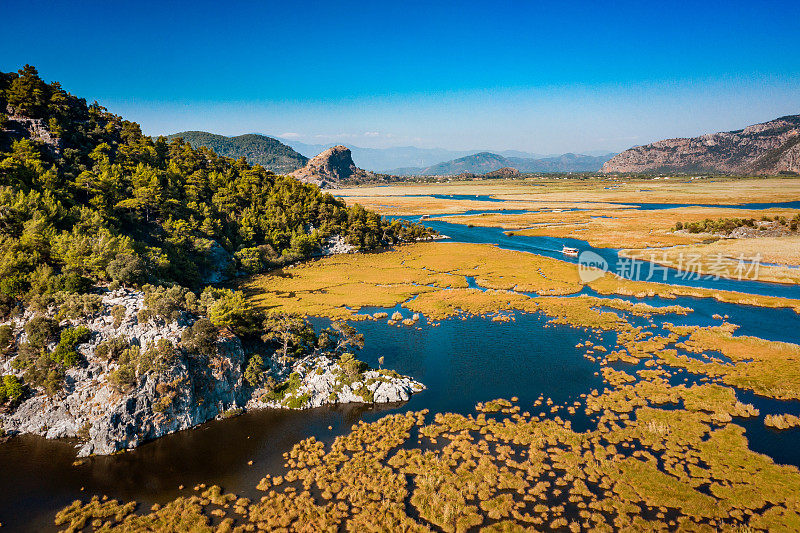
<point x="86" y="198"/>
<point x="257" y="149"/>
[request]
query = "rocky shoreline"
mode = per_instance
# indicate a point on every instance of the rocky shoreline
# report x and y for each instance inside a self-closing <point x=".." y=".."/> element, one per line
<point x="192" y="389"/>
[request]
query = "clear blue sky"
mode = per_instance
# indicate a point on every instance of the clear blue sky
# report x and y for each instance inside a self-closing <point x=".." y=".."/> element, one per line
<point x="537" y="76"/>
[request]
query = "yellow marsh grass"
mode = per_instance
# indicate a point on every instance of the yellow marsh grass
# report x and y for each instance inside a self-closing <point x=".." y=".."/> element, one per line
<point x="769" y="368"/>
<point x="612" y="284"/>
<point x="338" y="286"/>
<point x="675" y="190"/>
<point x="629" y="228"/>
<point x="722" y="257"/>
<point x="327" y="286"/>
<point x="423" y="205"/>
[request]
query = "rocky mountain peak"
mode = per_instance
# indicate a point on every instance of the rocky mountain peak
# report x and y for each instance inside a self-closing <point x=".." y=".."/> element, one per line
<point x="768" y="148"/>
<point x="330" y="168"/>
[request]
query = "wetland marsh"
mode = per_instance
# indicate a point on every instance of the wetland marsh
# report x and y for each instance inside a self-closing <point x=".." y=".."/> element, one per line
<point x="552" y="403"/>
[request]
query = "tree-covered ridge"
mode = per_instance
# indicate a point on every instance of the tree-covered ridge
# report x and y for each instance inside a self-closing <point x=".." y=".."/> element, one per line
<point x="86" y="197"/>
<point x="257" y="149"/>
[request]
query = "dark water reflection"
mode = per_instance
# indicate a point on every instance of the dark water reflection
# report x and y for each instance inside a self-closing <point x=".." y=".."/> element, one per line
<point x="462" y="362"/>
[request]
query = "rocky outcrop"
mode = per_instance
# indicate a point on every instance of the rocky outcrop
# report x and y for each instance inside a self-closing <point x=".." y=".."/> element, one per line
<point x="331" y="168"/>
<point x="219" y="265"/>
<point x="190" y="390"/>
<point x="321" y="380"/>
<point x="763" y="149"/>
<point x="336" y="244"/>
<point x="193" y="390"/>
<point x="22" y="127"/>
<point x="504" y="173"/>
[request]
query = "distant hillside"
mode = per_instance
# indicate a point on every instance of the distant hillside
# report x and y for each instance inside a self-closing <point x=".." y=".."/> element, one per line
<point x="484" y="162"/>
<point x="258" y="149"/>
<point x="768" y="148"/>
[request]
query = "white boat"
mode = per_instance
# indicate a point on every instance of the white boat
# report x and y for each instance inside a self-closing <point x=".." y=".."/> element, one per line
<point x="424" y="217"/>
<point x="572" y="252"/>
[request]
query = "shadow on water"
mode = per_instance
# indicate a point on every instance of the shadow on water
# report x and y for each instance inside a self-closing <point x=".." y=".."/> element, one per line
<point x="457" y="369"/>
<point x="38" y="477"/>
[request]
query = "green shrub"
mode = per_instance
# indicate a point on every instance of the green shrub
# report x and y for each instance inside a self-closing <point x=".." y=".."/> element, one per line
<point x="118" y="314"/>
<point x="6" y="338"/>
<point x="289" y="386"/>
<point x="123" y="378"/>
<point x="367" y="395"/>
<point x="227" y="308"/>
<point x="41" y="330"/>
<point x="133" y="363"/>
<point x="78" y="305"/>
<point x="254" y="373"/>
<point x="165" y="302"/>
<point x="126" y="269"/>
<point x="163" y="354"/>
<point x="351" y="366"/>
<point x="65" y="353"/>
<point x="111" y="349"/>
<point x="10" y="389"/>
<point x="298" y="402"/>
<point x="201" y="337"/>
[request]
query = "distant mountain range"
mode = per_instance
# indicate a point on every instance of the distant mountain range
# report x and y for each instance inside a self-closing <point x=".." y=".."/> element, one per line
<point x="258" y="149"/>
<point x="284" y="156"/>
<point x="381" y="159"/>
<point x="484" y="162"/>
<point x="768" y="148"/>
<point x="390" y="160"/>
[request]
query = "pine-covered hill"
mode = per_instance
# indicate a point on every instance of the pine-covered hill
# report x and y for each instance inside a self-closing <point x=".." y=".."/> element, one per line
<point x="86" y="198"/>
<point x="257" y="149"/>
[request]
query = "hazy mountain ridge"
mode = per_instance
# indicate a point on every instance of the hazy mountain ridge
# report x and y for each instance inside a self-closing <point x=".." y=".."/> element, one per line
<point x="401" y="160"/>
<point x="261" y="150"/>
<point x="484" y="162"/>
<point x="767" y="148"/>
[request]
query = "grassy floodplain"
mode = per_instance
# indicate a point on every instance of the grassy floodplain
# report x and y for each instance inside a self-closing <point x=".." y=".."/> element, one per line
<point x="662" y="444"/>
<point x="434" y="274"/>
<point x="615" y="228"/>
<point x="782" y="252"/>
<point x="717" y="190"/>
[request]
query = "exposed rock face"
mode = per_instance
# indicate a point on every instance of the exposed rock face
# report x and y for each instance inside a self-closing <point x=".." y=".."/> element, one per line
<point x="21" y="127"/>
<point x="336" y="244"/>
<point x="769" y="148"/>
<point x="332" y="167"/>
<point x="220" y="264"/>
<point x="323" y="381"/>
<point x="191" y="390"/>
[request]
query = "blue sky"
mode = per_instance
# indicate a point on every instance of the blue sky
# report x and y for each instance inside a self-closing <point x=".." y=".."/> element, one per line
<point x="545" y="77"/>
